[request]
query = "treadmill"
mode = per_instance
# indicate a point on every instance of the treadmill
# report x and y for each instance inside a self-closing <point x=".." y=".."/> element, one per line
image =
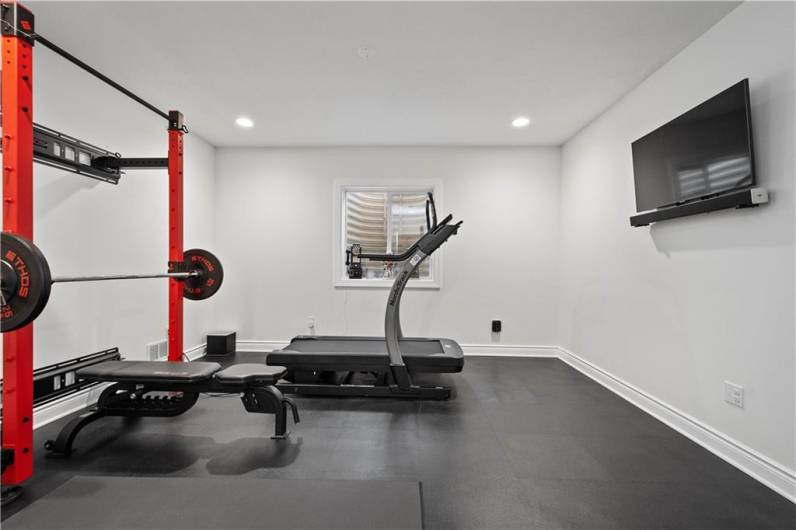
<point x="376" y="366"/>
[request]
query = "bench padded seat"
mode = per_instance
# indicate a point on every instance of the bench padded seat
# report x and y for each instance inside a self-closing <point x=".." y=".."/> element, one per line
<point x="150" y="372"/>
<point x="250" y="374"/>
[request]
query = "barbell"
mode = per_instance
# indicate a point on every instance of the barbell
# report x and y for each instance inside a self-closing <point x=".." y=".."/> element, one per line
<point x="25" y="280"/>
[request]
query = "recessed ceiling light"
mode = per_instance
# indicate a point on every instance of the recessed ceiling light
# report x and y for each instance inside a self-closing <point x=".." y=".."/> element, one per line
<point x="244" y="122"/>
<point x="520" y="122"/>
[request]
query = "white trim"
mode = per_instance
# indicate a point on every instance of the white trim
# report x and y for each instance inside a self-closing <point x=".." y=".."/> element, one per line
<point x="252" y="345"/>
<point x="509" y="350"/>
<point x="389" y="214"/>
<point x="195" y="352"/>
<point x="386" y="284"/>
<point x="340" y="186"/>
<point x="63" y="407"/>
<point x="765" y="470"/>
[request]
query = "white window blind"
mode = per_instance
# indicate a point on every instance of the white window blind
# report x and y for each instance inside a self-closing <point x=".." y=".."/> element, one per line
<point x="385" y="222"/>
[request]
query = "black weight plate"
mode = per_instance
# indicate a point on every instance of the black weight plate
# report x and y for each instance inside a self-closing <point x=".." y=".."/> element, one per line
<point x="211" y="274"/>
<point x="28" y="290"/>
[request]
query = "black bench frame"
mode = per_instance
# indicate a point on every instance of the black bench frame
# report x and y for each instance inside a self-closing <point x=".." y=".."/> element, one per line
<point x="152" y="399"/>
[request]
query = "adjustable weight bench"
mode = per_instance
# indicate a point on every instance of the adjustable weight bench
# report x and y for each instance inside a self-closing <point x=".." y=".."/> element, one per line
<point x="165" y="389"/>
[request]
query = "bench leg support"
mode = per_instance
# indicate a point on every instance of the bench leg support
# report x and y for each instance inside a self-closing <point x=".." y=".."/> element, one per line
<point x="62" y="446"/>
<point x="269" y="400"/>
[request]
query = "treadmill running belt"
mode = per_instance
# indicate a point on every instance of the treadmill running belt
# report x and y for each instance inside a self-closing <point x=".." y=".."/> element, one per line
<point x="375" y="345"/>
<point x="367" y="354"/>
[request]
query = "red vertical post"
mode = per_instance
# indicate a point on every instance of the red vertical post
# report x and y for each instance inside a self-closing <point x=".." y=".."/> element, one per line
<point x="176" y="133"/>
<point x="17" y="104"/>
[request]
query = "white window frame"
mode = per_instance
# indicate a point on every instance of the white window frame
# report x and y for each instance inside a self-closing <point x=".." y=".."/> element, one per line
<point x="339" y="278"/>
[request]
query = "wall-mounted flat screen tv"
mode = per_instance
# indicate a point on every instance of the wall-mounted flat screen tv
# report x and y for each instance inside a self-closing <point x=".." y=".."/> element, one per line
<point x="702" y="153"/>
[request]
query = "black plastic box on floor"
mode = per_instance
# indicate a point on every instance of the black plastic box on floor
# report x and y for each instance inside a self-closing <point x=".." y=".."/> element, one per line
<point x="221" y="343"/>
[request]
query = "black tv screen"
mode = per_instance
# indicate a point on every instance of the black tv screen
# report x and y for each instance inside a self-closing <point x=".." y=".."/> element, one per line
<point x="704" y="152"/>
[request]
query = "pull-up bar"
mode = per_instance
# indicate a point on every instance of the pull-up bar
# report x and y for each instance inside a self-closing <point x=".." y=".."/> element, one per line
<point x="11" y="27"/>
<point x="99" y="75"/>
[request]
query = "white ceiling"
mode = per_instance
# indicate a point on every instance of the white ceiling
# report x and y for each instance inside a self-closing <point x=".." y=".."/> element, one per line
<point x="444" y="73"/>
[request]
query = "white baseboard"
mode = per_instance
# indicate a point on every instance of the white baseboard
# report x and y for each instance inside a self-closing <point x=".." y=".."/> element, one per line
<point x="195" y="352"/>
<point x="260" y="345"/>
<point x="509" y="350"/>
<point x="63" y="407"/>
<point x="770" y="473"/>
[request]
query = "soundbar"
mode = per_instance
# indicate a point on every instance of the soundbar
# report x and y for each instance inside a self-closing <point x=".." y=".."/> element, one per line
<point x="747" y="198"/>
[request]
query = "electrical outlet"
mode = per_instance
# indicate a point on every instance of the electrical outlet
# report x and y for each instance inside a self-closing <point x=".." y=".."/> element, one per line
<point x="311" y="324"/>
<point x="733" y="394"/>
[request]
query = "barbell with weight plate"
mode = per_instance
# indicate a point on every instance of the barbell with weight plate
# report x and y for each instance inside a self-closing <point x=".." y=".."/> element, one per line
<point x="25" y="280"/>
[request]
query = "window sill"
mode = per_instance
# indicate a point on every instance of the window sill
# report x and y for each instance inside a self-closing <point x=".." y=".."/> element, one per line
<point x="384" y="284"/>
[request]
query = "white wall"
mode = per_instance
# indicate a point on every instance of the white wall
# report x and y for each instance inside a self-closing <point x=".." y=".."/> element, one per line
<point x="678" y="308"/>
<point x="274" y="213"/>
<point x="85" y="226"/>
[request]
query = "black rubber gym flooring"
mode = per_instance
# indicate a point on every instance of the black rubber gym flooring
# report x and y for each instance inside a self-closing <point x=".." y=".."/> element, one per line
<point x="526" y="443"/>
<point x="192" y="502"/>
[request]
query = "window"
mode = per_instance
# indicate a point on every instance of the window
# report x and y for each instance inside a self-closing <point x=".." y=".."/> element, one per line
<point x="384" y="220"/>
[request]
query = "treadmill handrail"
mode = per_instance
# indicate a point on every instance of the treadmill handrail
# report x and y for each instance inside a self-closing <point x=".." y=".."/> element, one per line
<point x="429" y="245"/>
<point x="431" y="222"/>
<point x="403" y="256"/>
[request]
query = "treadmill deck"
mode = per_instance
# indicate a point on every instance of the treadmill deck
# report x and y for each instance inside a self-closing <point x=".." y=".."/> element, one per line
<point x="330" y="353"/>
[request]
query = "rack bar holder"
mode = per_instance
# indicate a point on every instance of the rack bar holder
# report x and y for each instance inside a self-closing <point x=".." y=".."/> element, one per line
<point x="59" y="150"/>
<point x="55" y="381"/>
